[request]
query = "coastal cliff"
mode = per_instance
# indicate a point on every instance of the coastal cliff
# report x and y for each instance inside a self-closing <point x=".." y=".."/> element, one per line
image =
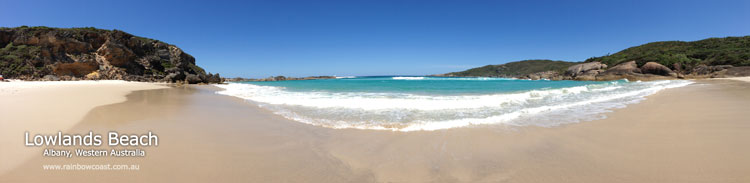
<point x="44" y="53"/>
<point x="708" y="58"/>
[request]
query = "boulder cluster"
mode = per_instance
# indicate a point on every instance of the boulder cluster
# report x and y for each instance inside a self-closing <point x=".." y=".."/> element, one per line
<point x="597" y="71"/>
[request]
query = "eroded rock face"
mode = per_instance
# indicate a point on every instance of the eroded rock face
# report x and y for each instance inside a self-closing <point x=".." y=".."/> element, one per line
<point x="114" y="54"/>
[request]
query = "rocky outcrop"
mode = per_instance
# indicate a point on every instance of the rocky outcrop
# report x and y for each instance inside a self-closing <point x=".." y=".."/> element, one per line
<point x="589" y="75"/>
<point x="629" y="67"/>
<point x="598" y="72"/>
<point x="89" y="53"/>
<point x="657" y="69"/>
<point x="584" y="68"/>
<point x="630" y="70"/>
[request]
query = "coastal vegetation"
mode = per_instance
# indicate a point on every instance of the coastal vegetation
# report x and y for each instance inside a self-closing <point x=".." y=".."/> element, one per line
<point x="733" y="51"/>
<point x="13" y="59"/>
<point x="713" y="57"/>
<point x="514" y="69"/>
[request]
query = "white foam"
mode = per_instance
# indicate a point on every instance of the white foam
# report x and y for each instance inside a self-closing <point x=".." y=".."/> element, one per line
<point x="410" y="112"/>
<point x="376" y="101"/>
<point x="449" y="78"/>
<point x="408" y="78"/>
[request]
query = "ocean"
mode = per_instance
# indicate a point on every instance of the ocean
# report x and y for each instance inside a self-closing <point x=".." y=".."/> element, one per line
<point x="412" y="103"/>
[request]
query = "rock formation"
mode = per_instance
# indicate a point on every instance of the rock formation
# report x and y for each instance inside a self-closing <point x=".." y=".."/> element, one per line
<point x="629" y="67"/>
<point x="629" y="70"/>
<point x="657" y="69"/>
<point x="584" y="68"/>
<point x="43" y="53"/>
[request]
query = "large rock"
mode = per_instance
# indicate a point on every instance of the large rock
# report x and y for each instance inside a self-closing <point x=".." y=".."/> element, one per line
<point x="623" y="68"/>
<point x="193" y="79"/>
<point x="657" y="69"/>
<point x="579" y="69"/>
<point x="590" y="75"/>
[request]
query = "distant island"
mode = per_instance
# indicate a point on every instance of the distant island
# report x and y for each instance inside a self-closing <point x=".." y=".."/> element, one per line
<point x="708" y="58"/>
<point x="44" y="53"/>
<point x="279" y="78"/>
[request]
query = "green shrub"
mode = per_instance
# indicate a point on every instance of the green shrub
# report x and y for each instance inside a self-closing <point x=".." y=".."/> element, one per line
<point x="515" y="69"/>
<point x="16" y="60"/>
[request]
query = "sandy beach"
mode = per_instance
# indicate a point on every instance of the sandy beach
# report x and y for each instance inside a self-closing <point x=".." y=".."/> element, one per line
<point x="696" y="133"/>
<point x="49" y="107"/>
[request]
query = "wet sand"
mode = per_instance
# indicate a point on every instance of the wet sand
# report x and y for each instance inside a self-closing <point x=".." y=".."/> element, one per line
<point x="697" y="133"/>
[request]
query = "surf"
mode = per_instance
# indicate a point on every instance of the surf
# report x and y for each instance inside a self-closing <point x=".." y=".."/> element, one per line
<point x="433" y="103"/>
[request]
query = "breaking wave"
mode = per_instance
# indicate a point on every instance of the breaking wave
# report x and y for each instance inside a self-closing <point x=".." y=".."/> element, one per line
<point x="413" y="112"/>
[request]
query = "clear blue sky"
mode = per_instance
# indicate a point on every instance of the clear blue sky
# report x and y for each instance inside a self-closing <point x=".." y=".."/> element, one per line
<point x="379" y="37"/>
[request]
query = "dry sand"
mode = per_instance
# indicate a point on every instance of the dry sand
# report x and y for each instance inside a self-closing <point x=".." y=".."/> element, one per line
<point x="48" y="107"/>
<point x="697" y="133"/>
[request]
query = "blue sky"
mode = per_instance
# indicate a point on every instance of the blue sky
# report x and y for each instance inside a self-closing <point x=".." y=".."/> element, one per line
<point x="381" y="37"/>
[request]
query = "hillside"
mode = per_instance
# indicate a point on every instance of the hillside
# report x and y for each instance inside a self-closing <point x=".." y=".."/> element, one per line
<point x="44" y="53"/>
<point x="514" y="69"/>
<point x="713" y="57"/>
<point x="733" y="51"/>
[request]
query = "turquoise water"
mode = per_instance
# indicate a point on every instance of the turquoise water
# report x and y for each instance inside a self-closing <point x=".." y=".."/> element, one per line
<point x="423" y="85"/>
<point x="408" y="103"/>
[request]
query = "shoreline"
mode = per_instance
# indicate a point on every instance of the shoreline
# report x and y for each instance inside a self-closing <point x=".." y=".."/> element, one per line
<point x="745" y="79"/>
<point x="205" y="134"/>
<point x="427" y="111"/>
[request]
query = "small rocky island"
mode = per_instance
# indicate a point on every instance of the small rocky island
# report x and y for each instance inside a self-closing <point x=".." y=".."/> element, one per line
<point x="280" y="78"/>
<point x="44" y="53"/>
